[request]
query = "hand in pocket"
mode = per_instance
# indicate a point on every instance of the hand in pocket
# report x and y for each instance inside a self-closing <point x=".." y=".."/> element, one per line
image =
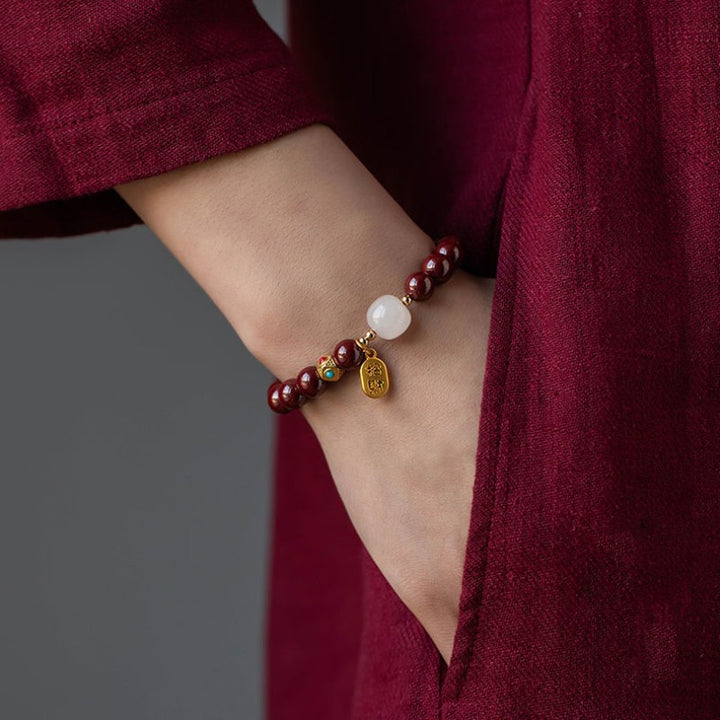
<point x="404" y="465"/>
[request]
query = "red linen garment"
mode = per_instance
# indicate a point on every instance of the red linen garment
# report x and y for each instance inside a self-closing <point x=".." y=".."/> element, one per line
<point x="575" y="146"/>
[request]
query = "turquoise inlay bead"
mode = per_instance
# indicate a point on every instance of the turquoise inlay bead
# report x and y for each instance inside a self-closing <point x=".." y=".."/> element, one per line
<point x="329" y="373"/>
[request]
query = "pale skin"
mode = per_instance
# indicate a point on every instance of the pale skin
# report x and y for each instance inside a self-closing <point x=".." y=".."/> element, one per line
<point x="293" y="239"/>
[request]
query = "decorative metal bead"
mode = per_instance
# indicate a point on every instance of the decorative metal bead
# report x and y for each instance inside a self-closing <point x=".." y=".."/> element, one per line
<point x="406" y="300"/>
<point x="327" y="369"/>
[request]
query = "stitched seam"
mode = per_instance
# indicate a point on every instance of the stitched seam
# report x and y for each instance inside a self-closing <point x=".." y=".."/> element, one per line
<point x="493" y="474"/>
<point x="503" y="433"/>
<point x="42" y="126"/>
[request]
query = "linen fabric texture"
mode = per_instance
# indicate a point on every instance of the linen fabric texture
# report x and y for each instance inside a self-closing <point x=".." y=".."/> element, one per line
<point x="94" y="93"/>
<point x="575" y="148"/>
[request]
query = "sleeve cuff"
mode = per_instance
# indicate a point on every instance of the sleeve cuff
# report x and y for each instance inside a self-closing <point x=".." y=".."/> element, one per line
<point x="58" y="180"/>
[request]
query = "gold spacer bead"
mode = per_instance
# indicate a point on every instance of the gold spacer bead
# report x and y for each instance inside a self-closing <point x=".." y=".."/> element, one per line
<point x="406" y="300"/>
<point x="361" y="342"/>
<point x="369" y="335"/>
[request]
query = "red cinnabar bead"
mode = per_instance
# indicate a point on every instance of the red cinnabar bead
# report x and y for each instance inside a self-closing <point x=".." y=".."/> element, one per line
<point x="308" y="382"/>
<point x="438" y="267"/>
<point x="348" y="355"/>
<point x="450" y="247"/>
<point x="274" y="400"/>
<point x="419" y="286"/>
<point x="290" y="394"/>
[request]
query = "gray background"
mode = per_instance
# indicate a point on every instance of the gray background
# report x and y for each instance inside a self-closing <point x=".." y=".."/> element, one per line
<point x="135" y="451"/>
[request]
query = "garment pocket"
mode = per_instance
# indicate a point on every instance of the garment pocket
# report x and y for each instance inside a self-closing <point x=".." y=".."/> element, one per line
<point x="492" y="450"/>
<point x="484" y="485"/>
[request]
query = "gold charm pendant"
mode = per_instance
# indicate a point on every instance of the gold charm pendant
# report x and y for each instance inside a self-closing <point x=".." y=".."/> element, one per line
<point x="374" y="375"/>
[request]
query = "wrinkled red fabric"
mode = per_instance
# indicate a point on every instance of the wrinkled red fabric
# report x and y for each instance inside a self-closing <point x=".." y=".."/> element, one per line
<point x="575" y="147"/>
<point x="94" y="93"/>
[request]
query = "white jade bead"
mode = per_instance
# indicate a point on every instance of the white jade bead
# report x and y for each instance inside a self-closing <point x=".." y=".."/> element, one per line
<point x="388" y="317"/>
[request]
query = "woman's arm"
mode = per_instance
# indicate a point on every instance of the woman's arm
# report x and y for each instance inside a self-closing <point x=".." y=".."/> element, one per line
<point x="293" y="239"/>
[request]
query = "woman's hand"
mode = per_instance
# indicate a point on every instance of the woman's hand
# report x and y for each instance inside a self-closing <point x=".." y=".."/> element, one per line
<point x="404" y="464"/>
<point x="292" y="240"/>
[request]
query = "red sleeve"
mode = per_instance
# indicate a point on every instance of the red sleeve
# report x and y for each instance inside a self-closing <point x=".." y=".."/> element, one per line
<point x="94" y="93"/>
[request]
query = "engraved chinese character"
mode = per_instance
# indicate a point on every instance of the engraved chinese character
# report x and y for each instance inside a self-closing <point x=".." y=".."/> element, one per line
<point x="373" y="369"/>
<point x="376" y="385"/>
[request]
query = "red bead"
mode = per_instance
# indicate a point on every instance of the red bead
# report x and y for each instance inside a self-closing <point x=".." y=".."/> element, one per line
<point x="450" y="247"/>
<point x="438" y="267"/>
<point x="274" y="400"/>
<point x="348" y="355"/>
<point x="309" y="383"/>
<point x="290" y="395"/>
<point x="419" y="286"/>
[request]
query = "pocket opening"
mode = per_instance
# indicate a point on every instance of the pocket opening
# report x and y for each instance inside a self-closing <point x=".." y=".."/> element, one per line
<point x="452" y="674"/>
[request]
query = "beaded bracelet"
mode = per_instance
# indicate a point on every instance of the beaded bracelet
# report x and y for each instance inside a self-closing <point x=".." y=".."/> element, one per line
<point x="388" y="318"/>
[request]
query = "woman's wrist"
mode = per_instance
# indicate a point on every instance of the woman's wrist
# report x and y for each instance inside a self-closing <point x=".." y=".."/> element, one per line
<point x="296" y="332"/>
